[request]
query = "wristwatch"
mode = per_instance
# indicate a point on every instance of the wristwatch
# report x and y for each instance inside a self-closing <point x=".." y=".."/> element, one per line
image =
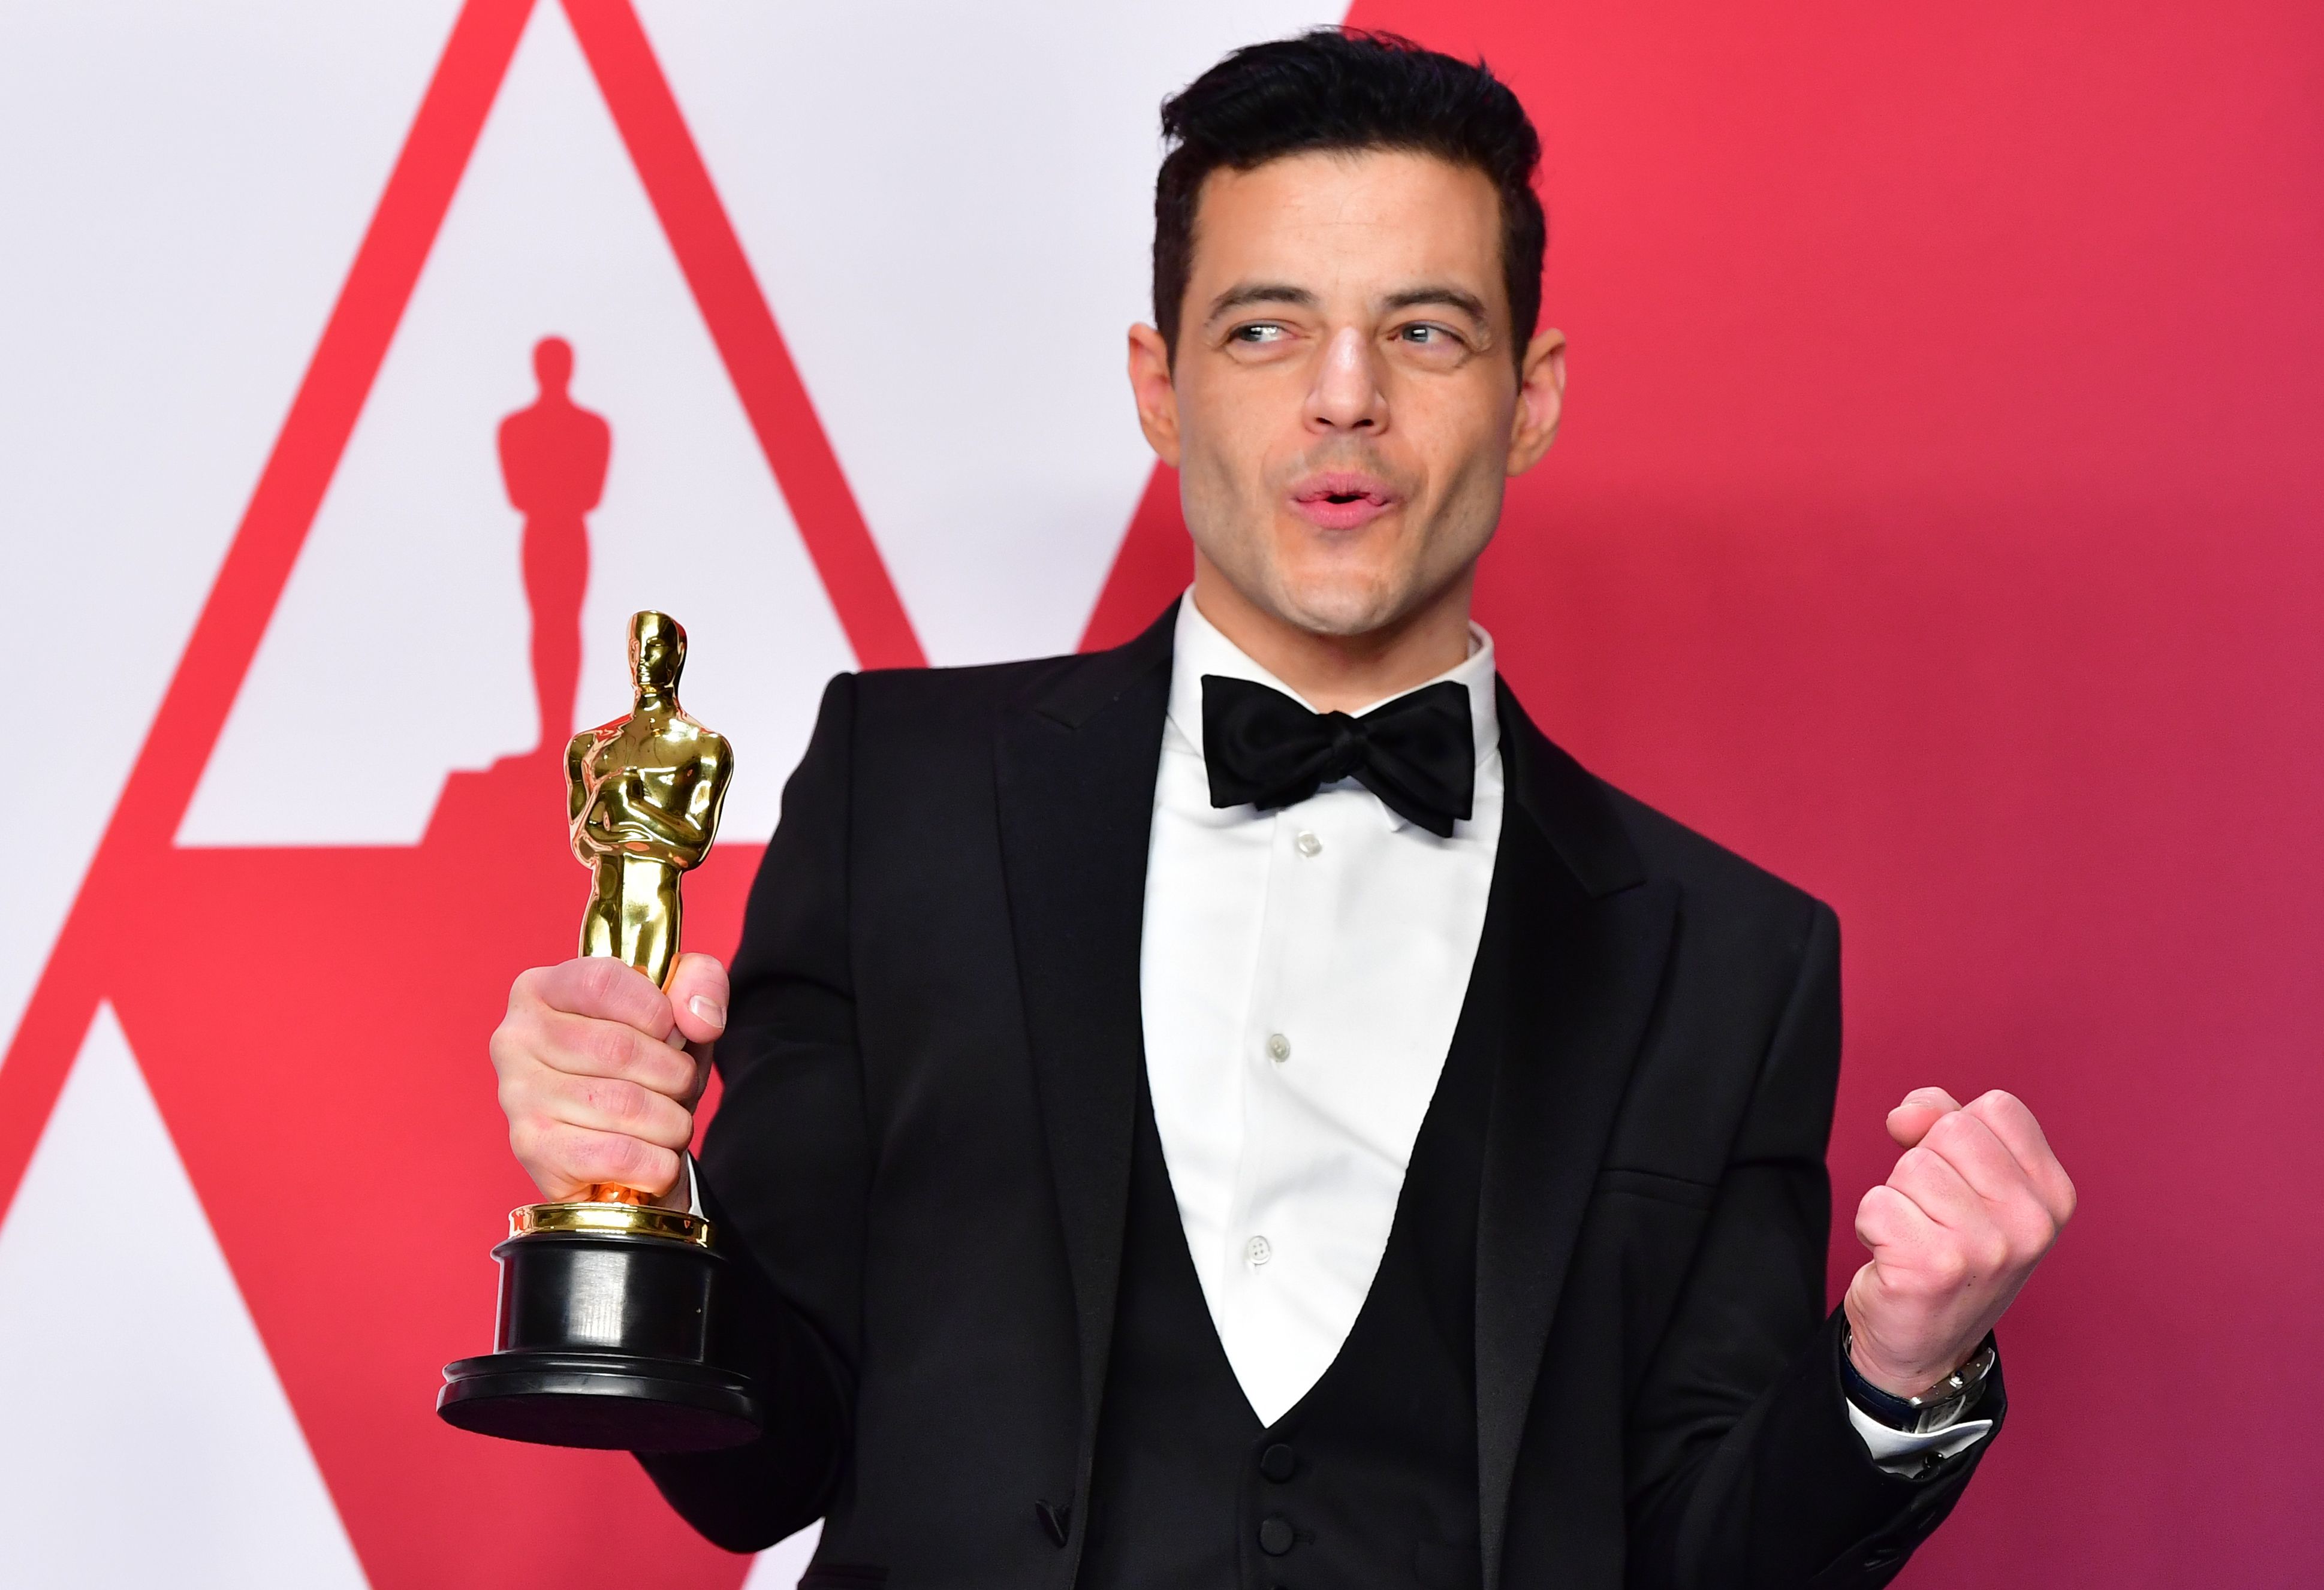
<point x="1935" y="1409"/>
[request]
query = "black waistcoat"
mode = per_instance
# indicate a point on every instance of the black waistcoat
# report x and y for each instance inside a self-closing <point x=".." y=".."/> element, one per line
<point x="1372" y="1479"/>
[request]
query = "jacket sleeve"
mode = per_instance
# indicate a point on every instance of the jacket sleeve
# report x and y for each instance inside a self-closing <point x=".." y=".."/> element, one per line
<point x="784" y="1168"/>
<point x="1743" y="1470"/>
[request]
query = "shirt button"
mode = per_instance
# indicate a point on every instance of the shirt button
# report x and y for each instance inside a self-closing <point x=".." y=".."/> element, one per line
<point x="1277" y="1462"/>
<point x="1278" y="1047"/>
<point x="1309" y="845"/>
<point x="1275" y="1536"/>
<point x="1258" y="1250"/>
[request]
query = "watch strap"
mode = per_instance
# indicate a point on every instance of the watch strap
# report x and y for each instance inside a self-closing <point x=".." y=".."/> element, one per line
<point x="1942" y="1405"/>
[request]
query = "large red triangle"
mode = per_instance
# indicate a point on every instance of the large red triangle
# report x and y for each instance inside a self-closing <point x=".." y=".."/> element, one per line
<point x="334" y="989"/>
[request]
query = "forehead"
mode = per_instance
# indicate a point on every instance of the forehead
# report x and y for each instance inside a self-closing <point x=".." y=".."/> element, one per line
<point x="1359" y="221"/>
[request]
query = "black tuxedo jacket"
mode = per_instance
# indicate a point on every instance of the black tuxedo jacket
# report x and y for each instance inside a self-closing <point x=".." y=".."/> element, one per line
<point x="922" y="1161"/>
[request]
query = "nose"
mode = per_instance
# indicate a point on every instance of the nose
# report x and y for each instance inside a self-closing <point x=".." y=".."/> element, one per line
<point x="1346" y="396"/>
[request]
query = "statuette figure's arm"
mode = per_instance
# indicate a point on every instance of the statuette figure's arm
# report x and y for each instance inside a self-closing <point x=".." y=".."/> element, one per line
<point x="709" y="791"/>
<point x="625" y="812"/>
<point x="576" y="796"/>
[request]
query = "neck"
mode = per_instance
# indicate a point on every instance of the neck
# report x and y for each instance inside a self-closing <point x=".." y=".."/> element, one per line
<point x="1341" y="673"/>
<point x="650" y="700"/>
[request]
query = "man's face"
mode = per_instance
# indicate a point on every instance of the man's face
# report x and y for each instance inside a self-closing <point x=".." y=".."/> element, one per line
<point x="1344" y="404"/>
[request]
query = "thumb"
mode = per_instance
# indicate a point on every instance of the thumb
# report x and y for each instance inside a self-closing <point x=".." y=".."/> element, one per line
<point x="1923" y="1108"/>
<point x="697" y="999"/>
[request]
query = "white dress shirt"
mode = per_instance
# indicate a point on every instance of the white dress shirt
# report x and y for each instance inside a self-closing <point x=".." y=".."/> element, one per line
<point x="1302" y="972"/>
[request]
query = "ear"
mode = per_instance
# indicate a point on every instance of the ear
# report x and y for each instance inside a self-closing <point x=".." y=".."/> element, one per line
<point x="1541" y="400"/>
<point x="1157" y="397"/>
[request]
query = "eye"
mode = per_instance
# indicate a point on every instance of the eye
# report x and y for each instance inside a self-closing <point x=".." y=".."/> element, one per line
<point x="1426" y="335"/>
<point x="1258" y="334"/>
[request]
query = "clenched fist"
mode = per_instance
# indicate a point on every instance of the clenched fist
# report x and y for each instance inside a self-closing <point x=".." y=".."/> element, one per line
<point x="1958" y="1227"/>
<point x="600" y="1071"/>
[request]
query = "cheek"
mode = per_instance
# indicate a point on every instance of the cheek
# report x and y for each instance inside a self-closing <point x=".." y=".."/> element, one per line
<point x="1213" y="496"/>
<point x="1224" y="454"/>
<point x="1234" y="423"/>
<point x="1466" y="457"/>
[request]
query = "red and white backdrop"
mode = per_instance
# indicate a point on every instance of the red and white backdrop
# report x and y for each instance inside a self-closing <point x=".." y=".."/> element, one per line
<point x="1936" y="522"/>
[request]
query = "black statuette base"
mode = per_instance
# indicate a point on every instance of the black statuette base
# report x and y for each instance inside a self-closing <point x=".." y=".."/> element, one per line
<point x="609" y="1341"/>
<point x="599" y="1400"/>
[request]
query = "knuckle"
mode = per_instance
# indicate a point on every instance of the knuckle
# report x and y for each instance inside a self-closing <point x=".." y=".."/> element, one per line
<point x="2003" y="1107"/>
<point x="529" y="988"/>
<point x="611" y="1099"/>
<point x="610" y="1047"/>
<point x="597" y="980"/>
<point x="517" y="1032"/>
<point x="632" y="1160"/>
<point x="515" y="1096"/>
<point x="638" y="1109"/>
<point x="599" y="1156"/>
<point x="2033" y="1237"/>
<point x="705" y="974"/>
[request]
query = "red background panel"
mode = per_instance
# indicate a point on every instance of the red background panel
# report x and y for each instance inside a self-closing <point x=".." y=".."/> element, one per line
<point x="1935" y="522"/>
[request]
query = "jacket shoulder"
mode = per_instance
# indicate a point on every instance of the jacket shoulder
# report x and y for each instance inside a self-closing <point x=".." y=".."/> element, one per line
<point x="1612" y="839"/>
<point x="1707" y="873"/>
<point x="913" y="694"/>
<point x="1068" y="689"/>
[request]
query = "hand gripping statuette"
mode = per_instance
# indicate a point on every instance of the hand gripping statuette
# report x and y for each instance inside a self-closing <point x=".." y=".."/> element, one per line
<point x="609" y="1332"/>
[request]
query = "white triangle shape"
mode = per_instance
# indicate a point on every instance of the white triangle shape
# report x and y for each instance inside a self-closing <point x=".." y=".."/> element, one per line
<point x="144" y="1439"/>
<point x="399" y="650"/>
<point x="952" y="210"/>
<point x="780" y="1566"/>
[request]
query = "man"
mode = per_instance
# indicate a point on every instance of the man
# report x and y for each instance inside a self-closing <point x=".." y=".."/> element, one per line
<point x="1183" y="1135"/>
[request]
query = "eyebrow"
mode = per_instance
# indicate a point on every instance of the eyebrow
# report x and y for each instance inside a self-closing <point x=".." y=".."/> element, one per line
<point x="1467" y="303"/>
<point x="1262" y="292"/>
<point x="1282" y="292"/>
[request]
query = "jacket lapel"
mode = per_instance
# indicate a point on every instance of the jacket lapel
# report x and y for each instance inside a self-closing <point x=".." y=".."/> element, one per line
<point x="1588" y="961"/>
<point x="1076" y="766"/>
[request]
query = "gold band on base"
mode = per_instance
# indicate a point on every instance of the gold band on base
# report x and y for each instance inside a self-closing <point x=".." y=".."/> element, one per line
<point x="613" y="1219"/>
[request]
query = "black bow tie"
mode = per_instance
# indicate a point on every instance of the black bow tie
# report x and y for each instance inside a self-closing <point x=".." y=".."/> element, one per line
<point x="1418" y="753"/>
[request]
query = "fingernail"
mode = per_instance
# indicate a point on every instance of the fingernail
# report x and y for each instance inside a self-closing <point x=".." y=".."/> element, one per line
<point x="708" y="1009"/>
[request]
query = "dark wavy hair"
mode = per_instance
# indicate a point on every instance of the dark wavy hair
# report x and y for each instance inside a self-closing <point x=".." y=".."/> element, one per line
<point x="1338" y="89"/>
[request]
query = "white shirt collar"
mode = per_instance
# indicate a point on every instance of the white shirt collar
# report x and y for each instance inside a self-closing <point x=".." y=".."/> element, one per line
<point x="1198" y="648"/>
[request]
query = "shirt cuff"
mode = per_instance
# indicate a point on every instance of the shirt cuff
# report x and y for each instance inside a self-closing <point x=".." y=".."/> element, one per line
<point x="1907" y="1454"/>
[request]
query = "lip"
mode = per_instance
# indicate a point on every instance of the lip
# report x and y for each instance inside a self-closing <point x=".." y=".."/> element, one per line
<point x="1341" y="500"/>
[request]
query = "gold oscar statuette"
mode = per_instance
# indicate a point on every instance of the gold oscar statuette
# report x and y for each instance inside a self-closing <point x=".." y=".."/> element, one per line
<point x="609" y="1308"/>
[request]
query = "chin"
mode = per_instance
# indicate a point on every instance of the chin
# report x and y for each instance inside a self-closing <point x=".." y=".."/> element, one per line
<point x="1339" y="605"/>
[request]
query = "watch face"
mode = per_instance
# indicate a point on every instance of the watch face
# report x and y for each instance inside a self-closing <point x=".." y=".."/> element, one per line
<point x="1960" y="1389"/>
<point x="1934" y="1416"/>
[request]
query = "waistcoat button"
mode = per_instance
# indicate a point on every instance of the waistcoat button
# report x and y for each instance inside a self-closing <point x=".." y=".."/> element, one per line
<point x="1275" y="1536"/>
<point x="1277" y="1462"/>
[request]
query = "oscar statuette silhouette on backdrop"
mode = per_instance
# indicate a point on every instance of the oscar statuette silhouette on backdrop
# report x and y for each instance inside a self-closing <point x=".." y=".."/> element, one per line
<point x="553" y="457"/>
<point x="608" y="1331"/>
